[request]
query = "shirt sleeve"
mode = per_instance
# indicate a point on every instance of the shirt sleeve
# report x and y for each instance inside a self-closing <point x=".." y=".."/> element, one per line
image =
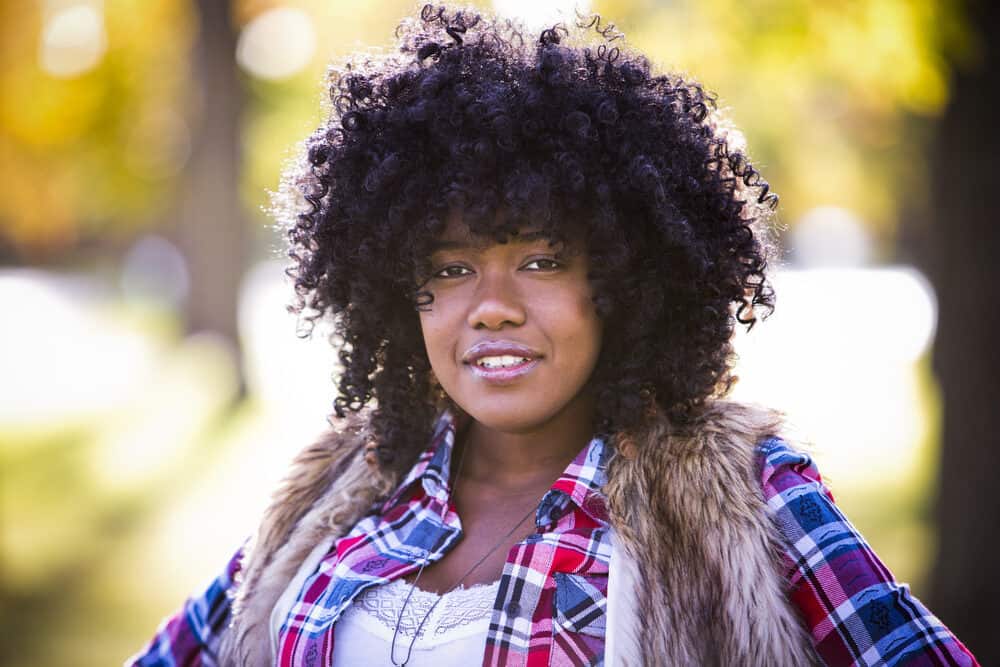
<point x="855" y="611"/>
<point x="190" y="638"/>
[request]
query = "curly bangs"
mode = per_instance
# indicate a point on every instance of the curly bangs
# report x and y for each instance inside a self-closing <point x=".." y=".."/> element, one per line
<point x="568" y="132"/>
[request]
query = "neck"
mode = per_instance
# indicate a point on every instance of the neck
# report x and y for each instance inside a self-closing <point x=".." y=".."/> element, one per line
<point x="533" y="457"/>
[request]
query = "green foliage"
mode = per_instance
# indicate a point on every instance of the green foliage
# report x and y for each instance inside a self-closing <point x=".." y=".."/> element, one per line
<point x="823" y="91"/>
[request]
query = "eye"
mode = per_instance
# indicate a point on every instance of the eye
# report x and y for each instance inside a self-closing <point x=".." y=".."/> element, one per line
<point x="452" y="271"/>
<point x="542" y="264"/>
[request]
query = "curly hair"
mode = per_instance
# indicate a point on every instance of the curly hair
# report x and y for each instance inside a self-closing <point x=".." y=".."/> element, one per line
<point x="574" y="136"/>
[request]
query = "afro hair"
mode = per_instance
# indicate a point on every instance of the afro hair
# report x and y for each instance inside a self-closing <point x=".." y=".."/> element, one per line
<point x="569" y="132"/>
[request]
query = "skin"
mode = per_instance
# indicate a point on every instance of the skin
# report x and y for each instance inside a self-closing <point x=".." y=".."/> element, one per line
<point x="517" y="438"/>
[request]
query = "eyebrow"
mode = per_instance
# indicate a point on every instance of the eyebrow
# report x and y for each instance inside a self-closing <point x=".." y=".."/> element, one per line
<point x="529" y="237"/>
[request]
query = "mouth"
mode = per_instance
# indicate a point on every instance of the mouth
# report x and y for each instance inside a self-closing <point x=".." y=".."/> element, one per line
<point x="503" y="372"/>
<point x="500" y="362"/>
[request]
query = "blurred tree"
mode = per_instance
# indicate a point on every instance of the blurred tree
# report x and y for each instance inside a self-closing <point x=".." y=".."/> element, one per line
<point x="836" y="99"/>
<point x="283" y="111"/>
<point x="959" y="250"/>
<point x="91" y="130"/>
<point x="91" y="155"/>
<point x="210" y="228"/>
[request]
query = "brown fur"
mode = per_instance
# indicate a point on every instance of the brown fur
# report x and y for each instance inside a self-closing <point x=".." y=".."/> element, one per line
<point x="330" y="486"/>
<point x="685" y="505"/>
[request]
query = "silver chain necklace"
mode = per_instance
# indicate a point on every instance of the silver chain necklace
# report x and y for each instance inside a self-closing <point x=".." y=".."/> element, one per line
<point x="413" y="585"/>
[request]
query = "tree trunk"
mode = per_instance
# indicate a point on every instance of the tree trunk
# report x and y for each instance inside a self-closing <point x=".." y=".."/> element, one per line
<point x="961" y="254"/>
<point x="210" y="229"/>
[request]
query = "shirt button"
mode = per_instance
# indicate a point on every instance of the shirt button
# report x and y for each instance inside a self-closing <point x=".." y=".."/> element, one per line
<point x="513" y="609"/>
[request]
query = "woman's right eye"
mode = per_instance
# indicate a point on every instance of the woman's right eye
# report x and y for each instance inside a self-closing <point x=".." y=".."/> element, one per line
<point x="453" y="271"/>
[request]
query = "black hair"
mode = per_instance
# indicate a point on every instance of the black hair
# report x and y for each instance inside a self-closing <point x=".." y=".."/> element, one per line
<point x="471" y="114"/>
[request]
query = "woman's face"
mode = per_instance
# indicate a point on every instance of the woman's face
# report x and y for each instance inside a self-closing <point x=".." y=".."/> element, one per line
<point x="512" y="334"/>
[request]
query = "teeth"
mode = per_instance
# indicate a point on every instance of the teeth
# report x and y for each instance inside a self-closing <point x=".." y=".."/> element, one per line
<point x="500" y="362"/>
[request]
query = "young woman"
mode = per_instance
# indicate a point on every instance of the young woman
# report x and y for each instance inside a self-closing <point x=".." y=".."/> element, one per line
<point x="535" y="254"/>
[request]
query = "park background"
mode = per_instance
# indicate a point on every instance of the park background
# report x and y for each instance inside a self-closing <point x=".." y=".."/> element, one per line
<point x="152" y="385"/>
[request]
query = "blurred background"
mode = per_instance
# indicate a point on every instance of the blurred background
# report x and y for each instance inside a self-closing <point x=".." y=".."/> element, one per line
<point x="152" y="385"/>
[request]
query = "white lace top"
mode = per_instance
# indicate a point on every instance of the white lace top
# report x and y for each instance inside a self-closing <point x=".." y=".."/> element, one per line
<point x="454" y="633"/>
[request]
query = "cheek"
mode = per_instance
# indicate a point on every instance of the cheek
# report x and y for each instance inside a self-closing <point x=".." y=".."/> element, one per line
<point x="581" y="328"/>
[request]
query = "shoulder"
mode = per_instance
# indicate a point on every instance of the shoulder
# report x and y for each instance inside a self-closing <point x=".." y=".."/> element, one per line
<point x="192" y="635"/>
<point x="335" y="462"/>
<point x="707" y="466"/>
<point x="799" y="502"/>
<point x="714" y="429"/>
<point x="784" y="467"/>
<point x="330" y="485"/>
<point x="734" y="420"/>
<point x="688" y="507"/>
<point x="850" y="601"/>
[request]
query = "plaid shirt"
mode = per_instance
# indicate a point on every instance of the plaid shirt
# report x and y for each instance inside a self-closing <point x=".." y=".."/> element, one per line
<point x="551" y="603"/>
<point x="854" y="609"/>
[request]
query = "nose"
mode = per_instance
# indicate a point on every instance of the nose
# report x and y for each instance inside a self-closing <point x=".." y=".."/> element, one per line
<point x="496" y="303"/>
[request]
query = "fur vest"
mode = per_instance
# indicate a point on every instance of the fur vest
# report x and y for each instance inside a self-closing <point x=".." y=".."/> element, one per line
<point x="686" y="509"/>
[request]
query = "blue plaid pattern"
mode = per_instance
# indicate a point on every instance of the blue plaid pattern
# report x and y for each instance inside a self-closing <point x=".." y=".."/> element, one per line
<point x="552" y="598"/>
<point x="853" y="607"/>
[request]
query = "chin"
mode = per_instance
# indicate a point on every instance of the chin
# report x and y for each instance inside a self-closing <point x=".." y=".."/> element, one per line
<point x="513" y="417"/>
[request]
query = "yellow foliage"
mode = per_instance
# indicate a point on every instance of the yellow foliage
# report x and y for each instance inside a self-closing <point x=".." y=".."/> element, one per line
<point x="822" y="90"/>
<point x="77" y="149"/>
<point x="98" y="153"/>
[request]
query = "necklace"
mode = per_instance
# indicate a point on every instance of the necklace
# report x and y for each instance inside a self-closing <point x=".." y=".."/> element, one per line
<point x="420" y="626"/>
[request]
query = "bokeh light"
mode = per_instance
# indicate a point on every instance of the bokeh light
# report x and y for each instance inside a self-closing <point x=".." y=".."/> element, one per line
<point x="73" y="39"/>
<point x="840" y="356"/>
<point x="537" y="14"/>
<point x="277" y="43"/>
<point x="830" y="236"/>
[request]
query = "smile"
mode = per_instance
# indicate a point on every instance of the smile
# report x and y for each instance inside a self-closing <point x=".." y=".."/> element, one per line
<point x="503" y="370"/>
<point x="502" y="361"/>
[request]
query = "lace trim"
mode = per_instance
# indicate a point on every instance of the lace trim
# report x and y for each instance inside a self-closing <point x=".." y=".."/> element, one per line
<point x="462" y="612"/>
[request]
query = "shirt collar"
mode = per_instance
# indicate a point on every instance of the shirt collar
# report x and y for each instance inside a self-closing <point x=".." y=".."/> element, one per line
<point x="433" y="467"/>
<point x="581" y="483"/>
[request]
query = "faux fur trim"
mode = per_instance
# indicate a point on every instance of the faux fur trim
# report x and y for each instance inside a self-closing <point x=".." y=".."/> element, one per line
<point x="330" y="486"/>
<point x="686" y="506"/>
<point x="688" y="509"/>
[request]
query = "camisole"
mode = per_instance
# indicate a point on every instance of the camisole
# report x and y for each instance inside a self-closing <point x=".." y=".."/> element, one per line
<point x="453" y="634"/>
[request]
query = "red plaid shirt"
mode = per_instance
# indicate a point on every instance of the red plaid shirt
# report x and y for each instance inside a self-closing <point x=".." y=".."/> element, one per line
<point x="551" y="604"/>
<point x="552" y="592"/>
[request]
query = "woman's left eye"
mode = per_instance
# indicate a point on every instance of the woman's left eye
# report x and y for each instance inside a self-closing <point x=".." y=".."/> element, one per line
<point x="542" y="264"/>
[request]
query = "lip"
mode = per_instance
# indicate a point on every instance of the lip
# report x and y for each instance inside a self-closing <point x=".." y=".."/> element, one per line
<point x="492" y="348"/>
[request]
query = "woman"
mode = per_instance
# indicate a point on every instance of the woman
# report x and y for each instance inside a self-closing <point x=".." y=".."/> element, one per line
<point x="535" y="255"/>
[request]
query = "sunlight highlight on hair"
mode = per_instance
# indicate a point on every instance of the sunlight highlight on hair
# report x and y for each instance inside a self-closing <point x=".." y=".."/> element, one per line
<point x="540" y="14"/>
